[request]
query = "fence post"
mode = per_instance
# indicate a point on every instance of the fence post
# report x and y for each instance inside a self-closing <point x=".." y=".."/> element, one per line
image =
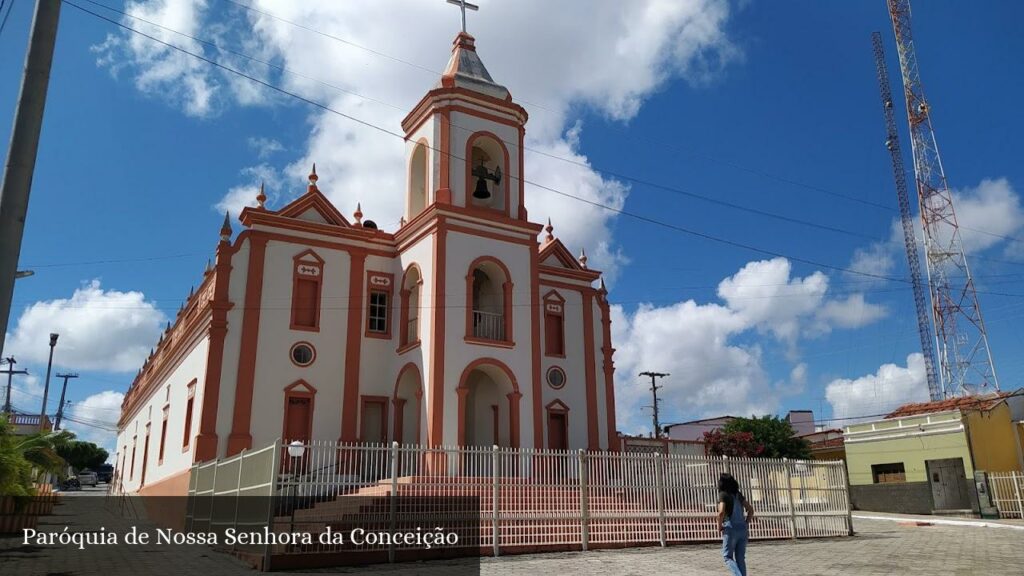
<point x="494" y="500"/>
<point x="659" y="486"/>
<point x="849" y="497"/>
<point x="584" y="500"/>
<point x="393" y="500"/>
<point x="789" y="495"/>
<point x="725" y="465"/>
<point x="275" y="462"/>
<point x="1017" y="490"/>
<point x="238" y="490"/>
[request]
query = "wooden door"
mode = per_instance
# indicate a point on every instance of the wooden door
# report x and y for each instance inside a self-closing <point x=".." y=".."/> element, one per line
<point x="557" y="431"/>
<point x="949" y="484"/>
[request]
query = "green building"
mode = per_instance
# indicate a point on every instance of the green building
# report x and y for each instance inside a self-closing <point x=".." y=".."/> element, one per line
<point x="922" y="458"/>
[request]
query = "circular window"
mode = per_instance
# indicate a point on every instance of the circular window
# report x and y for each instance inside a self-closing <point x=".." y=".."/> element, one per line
<point x="303" y="354"/>
<point x="556" y="377"/>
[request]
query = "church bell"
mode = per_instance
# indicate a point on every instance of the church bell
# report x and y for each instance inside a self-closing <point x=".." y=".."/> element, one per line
<point x="481" y="192"/>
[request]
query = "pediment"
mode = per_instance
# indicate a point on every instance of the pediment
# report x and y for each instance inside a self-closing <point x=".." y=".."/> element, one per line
<point x="314" y="207"/>
<point x="554" y="253"/>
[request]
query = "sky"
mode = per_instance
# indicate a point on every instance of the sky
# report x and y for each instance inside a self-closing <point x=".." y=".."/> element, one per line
<point x="756" y="123"/>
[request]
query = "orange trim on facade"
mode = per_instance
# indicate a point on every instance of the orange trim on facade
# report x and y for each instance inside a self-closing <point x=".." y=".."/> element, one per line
<point x="590" y="369"/>
<point x="609" y="373"/>
<point x="443" y="194"/>
<point x="535" y="351"/>
<point x="353" y="349"/>
<point x="241" y="435"/>
<point x="435" y="416"/>
<point x="206" y="441"/>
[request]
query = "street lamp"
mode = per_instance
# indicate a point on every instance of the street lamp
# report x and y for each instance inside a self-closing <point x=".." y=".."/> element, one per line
<point x="296" y="450"/>
<point x="23" y="274"/>
<point x="46" y="389"/>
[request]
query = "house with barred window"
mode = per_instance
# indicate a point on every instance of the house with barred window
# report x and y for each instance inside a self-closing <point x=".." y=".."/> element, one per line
<point x="468" y="324"/>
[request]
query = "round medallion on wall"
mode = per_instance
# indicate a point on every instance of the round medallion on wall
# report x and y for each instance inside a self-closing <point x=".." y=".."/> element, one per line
<point x="302" y="354"/>
<point x="556" y="377"/>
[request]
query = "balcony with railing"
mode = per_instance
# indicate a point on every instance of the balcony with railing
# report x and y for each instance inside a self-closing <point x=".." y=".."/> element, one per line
<point x="488" y="325"/>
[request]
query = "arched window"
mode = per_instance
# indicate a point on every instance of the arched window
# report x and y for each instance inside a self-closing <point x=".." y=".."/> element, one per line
<point x="489" y="294"/>
<point x="411" y="286"/>
<point x="418" y="178"/>
<point x="487" y="172"/>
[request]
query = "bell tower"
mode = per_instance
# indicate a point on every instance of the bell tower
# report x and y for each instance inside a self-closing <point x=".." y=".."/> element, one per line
<point x="465" y="142"/>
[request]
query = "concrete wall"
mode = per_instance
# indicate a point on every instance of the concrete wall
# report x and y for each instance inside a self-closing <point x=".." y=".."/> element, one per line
<point x="900" y="498"/>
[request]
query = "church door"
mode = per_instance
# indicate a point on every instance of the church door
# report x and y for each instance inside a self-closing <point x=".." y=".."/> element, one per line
<point x="557" y="431"/>
<point x="297" y="419"/>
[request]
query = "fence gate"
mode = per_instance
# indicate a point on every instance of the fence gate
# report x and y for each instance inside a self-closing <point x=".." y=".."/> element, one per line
<point x="1007" y="490"/>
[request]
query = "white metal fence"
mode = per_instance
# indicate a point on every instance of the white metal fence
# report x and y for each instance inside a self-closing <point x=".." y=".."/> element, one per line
<point x="1007" y="489"/>
<point x="529" y="499"/>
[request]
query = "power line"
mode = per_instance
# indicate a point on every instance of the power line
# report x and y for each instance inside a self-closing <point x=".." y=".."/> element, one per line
<point x="659" y="142"/>
<point x="541" y="186"/>
<point x="605" y="172"/>
<point x="6" y="16"/>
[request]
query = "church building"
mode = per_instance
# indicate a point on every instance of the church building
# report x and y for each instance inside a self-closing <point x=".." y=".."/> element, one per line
<point x="467" y="325"/>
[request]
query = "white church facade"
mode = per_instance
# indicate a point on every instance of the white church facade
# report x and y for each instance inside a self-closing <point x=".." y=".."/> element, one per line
<point x="467" y="325"/>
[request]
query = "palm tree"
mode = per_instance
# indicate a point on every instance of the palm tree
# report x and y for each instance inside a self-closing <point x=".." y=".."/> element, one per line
<point x="24" y="459"/>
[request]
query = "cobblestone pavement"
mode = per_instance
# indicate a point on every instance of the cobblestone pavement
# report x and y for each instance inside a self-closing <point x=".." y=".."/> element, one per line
<point x="881" y="547"/>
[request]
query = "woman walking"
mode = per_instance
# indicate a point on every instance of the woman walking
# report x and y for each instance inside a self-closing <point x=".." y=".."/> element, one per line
<point x="733" y="523"/>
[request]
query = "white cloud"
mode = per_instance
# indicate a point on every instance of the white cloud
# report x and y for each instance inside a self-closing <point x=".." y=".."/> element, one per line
<point x="765" y="295"/>
<point x="891" y="386"/>
<point x="713" y="371"/>
<point x="610" y="62"/>
<point x="987" y="213"/>
<point x="264" y="147"/>
<point x="243" y="195"/>
<point x="99" y="330"/>
<point x="851" y="312"/>
<point x="94" y="415"/>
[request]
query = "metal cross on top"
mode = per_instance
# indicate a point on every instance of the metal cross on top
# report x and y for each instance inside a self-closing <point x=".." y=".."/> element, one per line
<point x="464" y="5"/>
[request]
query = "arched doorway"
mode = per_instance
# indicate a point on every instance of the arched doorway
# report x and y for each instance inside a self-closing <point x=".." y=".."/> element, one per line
<point x="488" y="405"/>
<point x="407" y="401"/>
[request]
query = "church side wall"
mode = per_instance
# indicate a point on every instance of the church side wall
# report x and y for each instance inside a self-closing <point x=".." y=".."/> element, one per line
<point x="172" y="393"/>
<point x="599" y="382"/>
<point x="232" y="344"/>
<point x="573" y="393"/>
<point x="275" y="370"/>
<point x="420" y="254"/>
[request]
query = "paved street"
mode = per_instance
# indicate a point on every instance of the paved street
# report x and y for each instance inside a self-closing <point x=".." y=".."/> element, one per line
<point x="881" y="547"/>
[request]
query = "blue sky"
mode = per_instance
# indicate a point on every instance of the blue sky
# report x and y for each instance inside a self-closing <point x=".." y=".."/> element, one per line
<point x="772" y="106"/>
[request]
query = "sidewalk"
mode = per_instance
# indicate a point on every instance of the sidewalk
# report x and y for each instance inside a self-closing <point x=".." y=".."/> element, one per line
<point x="1012" y="524"/>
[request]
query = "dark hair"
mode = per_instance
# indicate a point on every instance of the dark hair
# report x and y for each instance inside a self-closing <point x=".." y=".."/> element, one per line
<point x="728" y="484"/>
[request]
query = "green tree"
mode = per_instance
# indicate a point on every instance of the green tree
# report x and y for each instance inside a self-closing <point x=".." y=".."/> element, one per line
<point x="23" y="459"/>
<point x="732" y="444"/>
<point x="774" y="434"/>
<point x="81" y="455"/>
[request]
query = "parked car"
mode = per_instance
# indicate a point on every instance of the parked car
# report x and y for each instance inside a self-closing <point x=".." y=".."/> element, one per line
<point x="70" y="485"/>
<point x="88" y="478"/>
<point x="105" y="473"/>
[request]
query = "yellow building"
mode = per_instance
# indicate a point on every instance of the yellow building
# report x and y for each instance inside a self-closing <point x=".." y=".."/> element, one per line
<point x="922" y="458"/>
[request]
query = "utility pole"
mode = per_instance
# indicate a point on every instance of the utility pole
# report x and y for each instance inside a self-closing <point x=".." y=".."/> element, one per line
<point x="46" y="387"/>
<point x="60" y="407"/>
<point x="10" y="361"/>
<point x="21" y="156"/>
<point x="654" y="390"/>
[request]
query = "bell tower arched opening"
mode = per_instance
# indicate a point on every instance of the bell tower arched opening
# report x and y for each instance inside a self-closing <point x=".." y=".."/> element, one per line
<point x="487" y="172"/>
<point x="418" y="178"/>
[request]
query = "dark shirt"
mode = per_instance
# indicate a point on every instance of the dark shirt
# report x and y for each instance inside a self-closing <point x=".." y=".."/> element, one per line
<point x="729" y="500"/>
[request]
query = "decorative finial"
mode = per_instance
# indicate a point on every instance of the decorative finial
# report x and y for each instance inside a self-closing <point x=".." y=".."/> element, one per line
<point x="602" y="288"/>
<point x="261" y="198"/>
<point x="359" y="214"/>
<point x="549" y="229"/>
<point x="401" y="222"/>
<point x="583" y="259"/>
<point x="313" y="178"/>
<point x="168" y="329"/>
<point x="160" y="341"/>
<point x="209" y="267"/>
<point x="225" y="229"/>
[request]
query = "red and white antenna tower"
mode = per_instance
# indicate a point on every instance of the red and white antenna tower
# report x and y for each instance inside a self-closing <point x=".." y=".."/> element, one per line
<point x="965" y="359"/>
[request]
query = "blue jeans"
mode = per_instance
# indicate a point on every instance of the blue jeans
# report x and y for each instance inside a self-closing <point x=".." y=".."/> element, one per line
<point x="734" y="550"/>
